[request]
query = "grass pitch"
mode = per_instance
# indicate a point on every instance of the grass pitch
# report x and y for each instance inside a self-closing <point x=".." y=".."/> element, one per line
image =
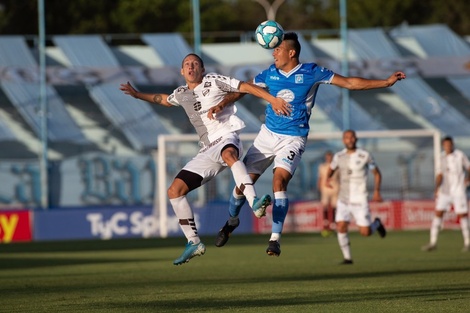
<point x="388" y="275"/>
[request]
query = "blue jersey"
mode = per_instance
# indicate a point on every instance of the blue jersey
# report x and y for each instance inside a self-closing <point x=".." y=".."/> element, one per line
<point x="299" y="88"/>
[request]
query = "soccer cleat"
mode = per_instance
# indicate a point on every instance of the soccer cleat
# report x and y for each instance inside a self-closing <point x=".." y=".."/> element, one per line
<point x="190" y="252"/>
<point x="274" y="248"/>
<point x="260" y="205"/>
<point x="224" y="234"/>
<point x="466" y="249"/>
<point x="428" y="247"/>
<point x="346" y="261"/>
<point x="380" y="229"/>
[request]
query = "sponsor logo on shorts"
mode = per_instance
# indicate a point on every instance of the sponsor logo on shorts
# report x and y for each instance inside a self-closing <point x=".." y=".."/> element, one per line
<point x="211" y="144"/>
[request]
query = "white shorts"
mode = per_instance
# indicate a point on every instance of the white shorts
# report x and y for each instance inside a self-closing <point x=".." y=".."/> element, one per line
<point x="286" y="152"/>
<point x="444" y="202"/>
<point x="208" y="162"/>
<point x="359" y="211"/>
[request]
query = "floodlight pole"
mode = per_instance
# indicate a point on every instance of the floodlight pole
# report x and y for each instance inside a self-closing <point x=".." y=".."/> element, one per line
<point x="197" y="27"/>
<point x="271" y="9"/>
<point x="344" y="62"/>
<point x="43" y="104"/>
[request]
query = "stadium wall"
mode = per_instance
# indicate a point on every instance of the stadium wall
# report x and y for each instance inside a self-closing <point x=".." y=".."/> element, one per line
<point x="105" y="223"/>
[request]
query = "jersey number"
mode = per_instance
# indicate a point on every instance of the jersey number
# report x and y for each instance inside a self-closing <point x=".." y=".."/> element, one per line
<point x="291" y="156"/>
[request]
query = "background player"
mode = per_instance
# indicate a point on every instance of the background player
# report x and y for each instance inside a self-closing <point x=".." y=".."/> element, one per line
<point x="452" y="179"/>
<point x="328" y="196"/>
<point x="353" y="164"/>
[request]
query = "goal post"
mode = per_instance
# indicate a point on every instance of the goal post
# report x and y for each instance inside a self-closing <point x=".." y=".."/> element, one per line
<point x="407" y="159"/>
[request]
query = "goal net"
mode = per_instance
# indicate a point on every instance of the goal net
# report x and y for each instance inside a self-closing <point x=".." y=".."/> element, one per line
<point x="407" y="160"/>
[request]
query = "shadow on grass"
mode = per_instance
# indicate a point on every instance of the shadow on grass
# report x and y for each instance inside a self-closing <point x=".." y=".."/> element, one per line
<point x="11" y="263"/>
<point x="91" y="245"/>
<point x="117" y="244"/>
<point x="295" y="299"/>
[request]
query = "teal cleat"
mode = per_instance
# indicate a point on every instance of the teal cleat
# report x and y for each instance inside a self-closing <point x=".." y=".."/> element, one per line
<point x="260" y="205"/>
<point x="190" y="252"/>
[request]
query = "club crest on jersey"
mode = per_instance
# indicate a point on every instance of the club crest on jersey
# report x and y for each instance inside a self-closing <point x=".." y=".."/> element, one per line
<point x="299" y="78"/>
<point x="205" y="92"/>
<point x="197" y="106"/>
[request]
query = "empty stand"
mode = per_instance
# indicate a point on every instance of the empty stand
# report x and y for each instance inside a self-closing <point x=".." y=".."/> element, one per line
<point x="61" y="127"/>
<point x="24" y="96"/>
<point x="86" y="50"/>
<point x="135" y="118"/>
<point x="171" y="47"/>
<point x="374" y="44"/>
<point x="139" y="123"/>
<point x="448" y="45"/>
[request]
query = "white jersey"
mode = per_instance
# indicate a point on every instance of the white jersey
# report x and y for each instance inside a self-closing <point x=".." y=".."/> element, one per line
<point x="197" y="103"/>
<point x="453" y="168"/>
<point x="353" y="169"/>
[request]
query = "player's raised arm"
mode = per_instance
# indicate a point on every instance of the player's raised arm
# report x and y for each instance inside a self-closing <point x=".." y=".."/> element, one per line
<point x="279" y="105"/>
<point x="157" y="98"/>
<point x="228" y="99"/>
<point x="359" y="83"/>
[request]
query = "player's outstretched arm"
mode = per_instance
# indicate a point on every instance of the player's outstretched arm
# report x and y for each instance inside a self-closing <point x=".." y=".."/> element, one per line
<point x="228" y="99"/>
<point x="157" y="98"/>
<point x="359" y="83"/>
<point x="279" y="105"/>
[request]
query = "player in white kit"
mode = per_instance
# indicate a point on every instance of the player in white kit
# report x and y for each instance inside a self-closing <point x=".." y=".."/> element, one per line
<point x="218" y="138"/>
<point x="353" y="164"/>
<point x="452" y="179"/>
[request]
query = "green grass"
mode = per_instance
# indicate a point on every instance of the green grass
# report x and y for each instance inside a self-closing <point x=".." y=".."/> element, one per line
<point x="389" y="275"/>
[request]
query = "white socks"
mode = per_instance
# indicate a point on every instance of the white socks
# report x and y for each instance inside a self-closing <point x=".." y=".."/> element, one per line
<point x="186" y="218"/>
<point x="435" y="227"/>
<point x="343" y="240"/>
<point x="275" y="237"/>
<point x="465" y="230"/>
<point x="243" y="181"/>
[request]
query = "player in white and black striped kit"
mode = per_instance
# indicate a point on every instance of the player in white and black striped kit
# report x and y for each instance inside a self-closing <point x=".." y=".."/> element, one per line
<point x="353" y="164"/>
<point x="218" y="129"/>
<point x="452" y="178"/>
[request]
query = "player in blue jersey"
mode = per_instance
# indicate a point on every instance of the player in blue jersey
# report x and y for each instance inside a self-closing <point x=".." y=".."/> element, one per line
<point x="283" y="137"/>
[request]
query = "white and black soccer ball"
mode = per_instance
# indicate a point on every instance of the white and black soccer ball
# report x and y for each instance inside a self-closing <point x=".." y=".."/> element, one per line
<point x="269" y="34"/>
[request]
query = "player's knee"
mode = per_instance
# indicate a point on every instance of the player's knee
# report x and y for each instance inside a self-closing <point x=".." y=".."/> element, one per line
<point x="365" y="231"/>
<point x="230" y="154"/>
<point x="174" y="192"/>
<point x="342" y="227"/>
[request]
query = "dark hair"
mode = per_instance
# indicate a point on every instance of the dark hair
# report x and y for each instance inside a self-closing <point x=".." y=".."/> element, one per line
<point x="193" y="54"/>
<point x="448" y="138"/>
<point x="350" y="131"/>
<point x="294" y="42"/>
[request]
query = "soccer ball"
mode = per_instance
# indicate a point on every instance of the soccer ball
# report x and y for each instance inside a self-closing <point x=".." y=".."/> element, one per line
<point x="269" y="34"/>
